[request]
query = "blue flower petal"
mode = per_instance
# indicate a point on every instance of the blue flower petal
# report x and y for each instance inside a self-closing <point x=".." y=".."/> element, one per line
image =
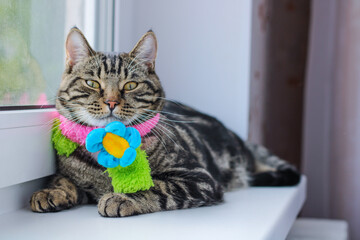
<point x="133" y="136"/>
<point x="93" y="142"/>
<point x="107" y="160"/>
<point x="117" y="128"/>
<point x="128" y="157"/>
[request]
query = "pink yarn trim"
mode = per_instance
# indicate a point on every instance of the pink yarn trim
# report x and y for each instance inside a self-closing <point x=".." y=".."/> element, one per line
<point x="78" y="133"/>
<point x="145" y="127"/>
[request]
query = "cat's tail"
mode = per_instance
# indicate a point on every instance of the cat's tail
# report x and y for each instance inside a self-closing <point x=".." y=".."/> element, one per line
<point x="270" y="170"/>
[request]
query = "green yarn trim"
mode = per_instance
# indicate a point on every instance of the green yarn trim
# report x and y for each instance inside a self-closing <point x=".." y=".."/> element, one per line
<point x="133" y="178"/>
<point x="62" y="144"/>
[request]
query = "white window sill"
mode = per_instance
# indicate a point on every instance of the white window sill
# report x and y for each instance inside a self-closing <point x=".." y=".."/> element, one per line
<point x="26" y="150"/>
<point x="254" y="213"/>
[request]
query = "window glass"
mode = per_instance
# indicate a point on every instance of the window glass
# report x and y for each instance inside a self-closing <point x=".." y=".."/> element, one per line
<point x="32" y="53"/>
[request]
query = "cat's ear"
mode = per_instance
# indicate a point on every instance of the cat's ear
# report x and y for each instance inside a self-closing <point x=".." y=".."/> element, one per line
<point x="145" y="49"/>
<point x="77" y="47"/>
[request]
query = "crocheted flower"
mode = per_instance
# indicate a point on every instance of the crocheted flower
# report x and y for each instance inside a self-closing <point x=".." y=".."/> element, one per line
<point x="117" y="144"/>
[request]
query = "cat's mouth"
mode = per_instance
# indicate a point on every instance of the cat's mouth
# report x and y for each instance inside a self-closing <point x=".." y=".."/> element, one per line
<point x="101" y="120"/>
<point x="111" y="117"/>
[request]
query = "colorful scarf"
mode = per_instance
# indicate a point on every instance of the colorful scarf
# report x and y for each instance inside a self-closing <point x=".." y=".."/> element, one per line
<point x="119" y="148"/>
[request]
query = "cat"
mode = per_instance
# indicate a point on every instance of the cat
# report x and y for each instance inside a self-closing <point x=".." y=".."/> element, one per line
<point x="194" y="159"/>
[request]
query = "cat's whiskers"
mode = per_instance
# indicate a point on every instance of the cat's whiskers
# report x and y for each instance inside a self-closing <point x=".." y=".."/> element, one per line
<point x="49" y="125"/>
<point x="162" y="120"/>
<point x="177" y="121"/>
<point x="170" y="100"/>
<point x="149" y="115"/>
<point x="81" y="116"/>
<point x="51" y="122"/>
<point x="159" y="127"/>
<point x="76" y="119"/>
<point x="73" y="119"/>
<point x="157" y="111"/>
<point x="166" y="119"/>
<point x="72" y="127"/>
<point x="163" y="129"/>
<point x="156" y="133"/>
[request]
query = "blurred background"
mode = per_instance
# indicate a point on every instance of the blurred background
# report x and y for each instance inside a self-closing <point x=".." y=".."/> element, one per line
<point x="282" y="73"/>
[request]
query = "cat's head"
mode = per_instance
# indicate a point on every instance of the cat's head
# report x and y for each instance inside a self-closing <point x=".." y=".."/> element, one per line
<point x="98" y="88"/>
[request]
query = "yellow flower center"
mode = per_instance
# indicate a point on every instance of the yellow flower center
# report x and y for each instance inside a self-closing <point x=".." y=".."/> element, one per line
<point x="115" y="145"/>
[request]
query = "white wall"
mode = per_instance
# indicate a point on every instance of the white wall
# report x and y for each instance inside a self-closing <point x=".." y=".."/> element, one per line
<point x="203" y="52"/>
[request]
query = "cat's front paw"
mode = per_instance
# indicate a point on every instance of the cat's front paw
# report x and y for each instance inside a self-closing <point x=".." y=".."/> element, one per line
<point x="117" y="205"/>
<point x="50" y="200"/>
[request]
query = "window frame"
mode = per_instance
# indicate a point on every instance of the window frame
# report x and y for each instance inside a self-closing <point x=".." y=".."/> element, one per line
<point x="33" y="122"/>
<point x="104" y="11"/>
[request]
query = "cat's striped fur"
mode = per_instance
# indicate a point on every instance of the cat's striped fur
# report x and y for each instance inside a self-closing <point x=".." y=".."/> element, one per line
<point x="193" y="157"/>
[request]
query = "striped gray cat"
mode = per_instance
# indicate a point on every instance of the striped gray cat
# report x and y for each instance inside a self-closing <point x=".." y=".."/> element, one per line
<point x="194" y="159"/>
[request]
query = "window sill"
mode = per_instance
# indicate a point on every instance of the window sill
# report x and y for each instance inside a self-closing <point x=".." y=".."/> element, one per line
<point x="26" y="150"/>
<point x="254" y="213"/>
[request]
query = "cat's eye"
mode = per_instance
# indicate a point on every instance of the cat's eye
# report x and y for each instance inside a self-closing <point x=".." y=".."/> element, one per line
<point x="130" y="86"/>
<point x="92" y="83"/>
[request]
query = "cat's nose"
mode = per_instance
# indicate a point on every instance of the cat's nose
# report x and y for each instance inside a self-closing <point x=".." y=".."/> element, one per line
<point x="111" y="104"/>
